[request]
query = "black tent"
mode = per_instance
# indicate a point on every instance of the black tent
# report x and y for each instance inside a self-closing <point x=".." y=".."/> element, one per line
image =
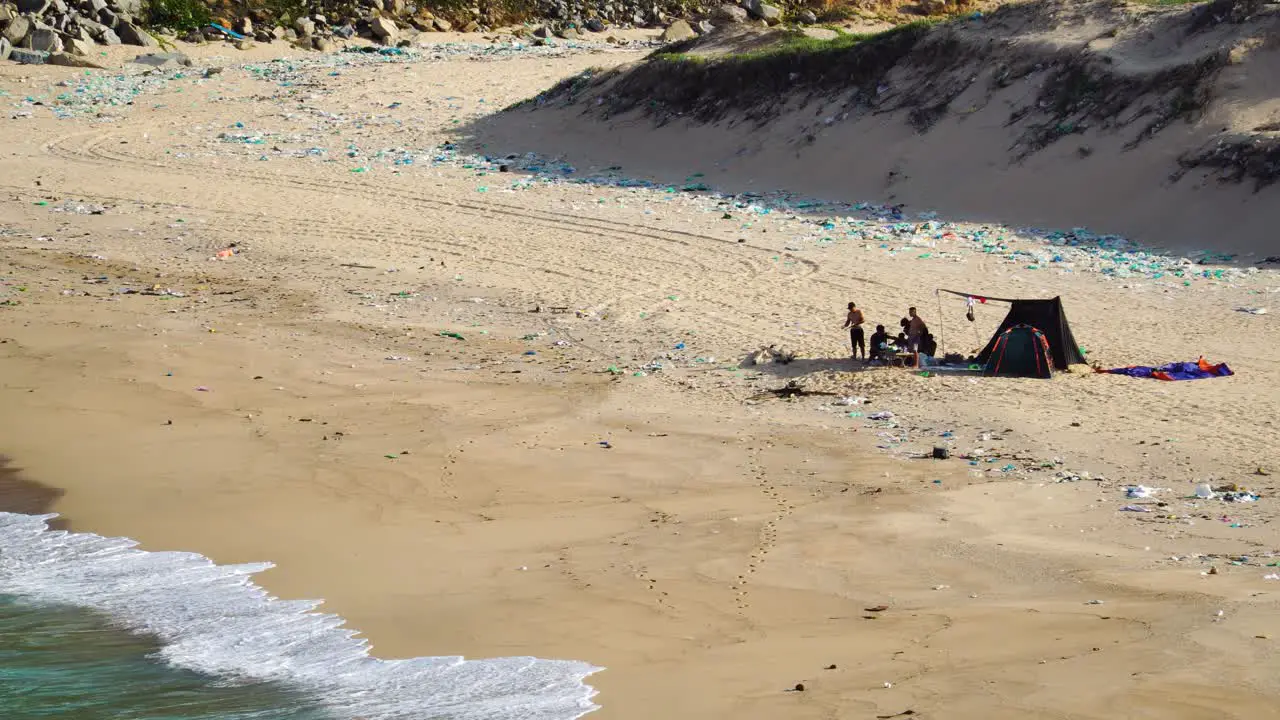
<point x="1047" y="316"/>
<point x="1020" y="351"/>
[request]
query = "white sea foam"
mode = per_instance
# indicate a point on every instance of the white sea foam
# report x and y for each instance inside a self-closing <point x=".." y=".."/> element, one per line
<point x="214" y="619"/>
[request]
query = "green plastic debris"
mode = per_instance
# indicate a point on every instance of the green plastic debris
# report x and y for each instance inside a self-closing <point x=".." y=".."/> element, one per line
<point x="453" y="335"/>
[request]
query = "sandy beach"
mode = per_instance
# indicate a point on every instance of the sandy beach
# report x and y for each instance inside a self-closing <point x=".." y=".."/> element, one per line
<point x="285" y="312"/>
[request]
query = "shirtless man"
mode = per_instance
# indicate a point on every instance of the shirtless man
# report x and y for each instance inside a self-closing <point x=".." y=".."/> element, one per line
<point x="915" y="330"/>
<point x="853" y="323"/>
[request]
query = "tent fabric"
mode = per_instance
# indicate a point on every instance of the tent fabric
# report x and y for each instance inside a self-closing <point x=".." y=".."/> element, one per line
<point x="1175" y="371"/>
<point x="1049" y="318"/>
<point x="1020" y="351"/>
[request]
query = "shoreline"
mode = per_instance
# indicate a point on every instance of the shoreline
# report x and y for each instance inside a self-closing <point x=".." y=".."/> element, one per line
<point x="362" y="394"/>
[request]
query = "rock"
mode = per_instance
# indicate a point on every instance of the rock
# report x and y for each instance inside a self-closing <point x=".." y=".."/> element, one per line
<point x="43" y="38"/>
<point x="305" y="27"/>
<point x="821" y="33"/>
<point x="703" y="27"/>
<point x="320" y="19"/>
<point x="245" y="26"/>
<point x="442" y="25"/>
<point x="78" y="47"/>
<point x="108" y="37"/>
<point x="278" y="32"/>
<point x="75" y="61"/>
<point x="28" y="57"/>
<point x="568" y="33"/>
<point x="168" y="61"/>
<point x="264" y="36"/>
<point x="7" y="13"/>
<point x="95" y="6"/>
<point x="17" y="30"/>
<point x="131" y="34"/>
<point x="385" y="29"/>
<point x="323" y="44"/>
<point x="345" y="32"/>
<point x="595" y="25"/>
<point x="677" y="31"/>
<point x="34" y="7"/>
<point x="108" y="18"/>
<point x="807" y="18"/>
<point x="5" y="48"/>
<point x="769" y="13"/>
<point x="729" y="15"/>
<point x="471" y="27"/>
<point x="132" y="8"/>
<point x="542" y="31"/>
<point x="244" y="44"/>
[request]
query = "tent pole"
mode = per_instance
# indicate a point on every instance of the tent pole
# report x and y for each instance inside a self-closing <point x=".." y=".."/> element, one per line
<point x="942" y="328"/>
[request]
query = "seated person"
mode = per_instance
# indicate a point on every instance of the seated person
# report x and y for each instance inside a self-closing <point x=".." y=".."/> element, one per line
<point x="900" y="342"/>
<point x="879" y="343"/>
<point x="928" y="345"/>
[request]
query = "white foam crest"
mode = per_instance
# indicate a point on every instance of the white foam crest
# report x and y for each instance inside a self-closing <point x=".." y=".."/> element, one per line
<point x="213" y="619"/>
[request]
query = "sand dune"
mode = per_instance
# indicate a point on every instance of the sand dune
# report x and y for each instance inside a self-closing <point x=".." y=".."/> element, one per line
<point x="1155" y="123"/>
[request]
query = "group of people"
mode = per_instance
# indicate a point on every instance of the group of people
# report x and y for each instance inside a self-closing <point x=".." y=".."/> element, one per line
<point x="914" y="337"/>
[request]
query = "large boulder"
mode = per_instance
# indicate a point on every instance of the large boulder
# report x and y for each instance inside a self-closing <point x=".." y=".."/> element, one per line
<point x="75" y="46"/>
<point x="677" y="31"/>
<point x="43" y="38"/>
<point x="305" y="27"/>
<point x="34" y="7"/>
<point x="75" y="61"/>
<point x="28" y="57"/>
<point x="728" y="15"/>
<point x="5" y="48"/>
<point x="17" y="30"/>
<point x="385" y="29"/>
<point x="807" y="17"/>
<point x="770" y="13"/>
<point x="108" y="37"/>
<point x="131" y="34"/>
<point x="442" y="25"/>
<point x="91" y="27"/>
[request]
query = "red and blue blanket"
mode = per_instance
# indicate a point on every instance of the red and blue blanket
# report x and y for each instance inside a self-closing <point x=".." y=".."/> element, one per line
<point x="1175" y="371"/>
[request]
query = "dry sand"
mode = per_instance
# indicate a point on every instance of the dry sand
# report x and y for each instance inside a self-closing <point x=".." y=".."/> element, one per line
<point x="298" y="404"/>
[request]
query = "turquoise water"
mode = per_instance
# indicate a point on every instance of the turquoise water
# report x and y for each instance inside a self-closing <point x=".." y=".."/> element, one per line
<point x="62" y="662"/>
<point x="94" y="627"/>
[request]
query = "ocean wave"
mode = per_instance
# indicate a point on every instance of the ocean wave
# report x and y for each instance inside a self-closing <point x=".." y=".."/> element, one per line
<point x="213" y="619"/>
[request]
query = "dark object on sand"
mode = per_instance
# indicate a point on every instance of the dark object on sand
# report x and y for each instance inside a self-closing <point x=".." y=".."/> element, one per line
<point x="941" y="452"/>
<point x="1045" y="315"/>
<point x="790" y="390"/>
<point x="1020" y="351"/>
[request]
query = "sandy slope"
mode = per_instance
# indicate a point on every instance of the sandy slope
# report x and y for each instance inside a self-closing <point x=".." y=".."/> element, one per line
<point x="722" y="549"/>
<point x="994" y="79"/>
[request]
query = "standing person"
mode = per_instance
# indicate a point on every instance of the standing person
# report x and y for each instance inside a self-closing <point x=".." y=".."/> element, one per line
<point x="916" y="330"/>
<point x="857" y="338"/>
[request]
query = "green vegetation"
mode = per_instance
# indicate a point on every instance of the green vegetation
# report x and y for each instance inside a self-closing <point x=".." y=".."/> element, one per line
<point x="796" y="43"/>
<point x="180" y="15"/>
